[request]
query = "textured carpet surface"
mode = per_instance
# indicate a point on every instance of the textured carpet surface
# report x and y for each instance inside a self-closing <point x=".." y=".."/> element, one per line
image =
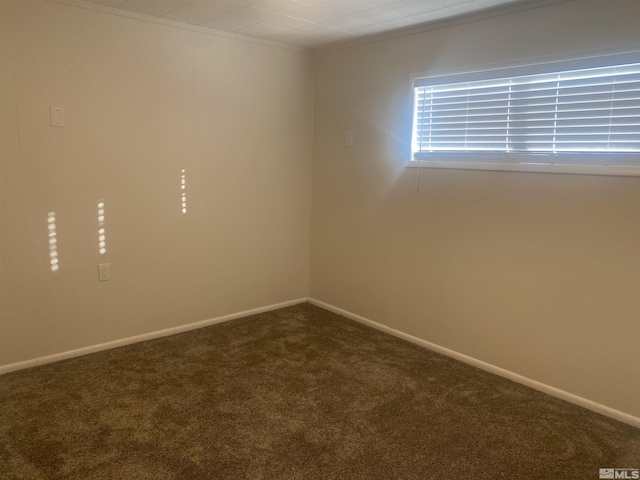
<point x="299" y="393"/>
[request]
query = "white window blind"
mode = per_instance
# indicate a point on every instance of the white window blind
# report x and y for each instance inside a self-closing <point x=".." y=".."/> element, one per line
<point x="580" y="110"/>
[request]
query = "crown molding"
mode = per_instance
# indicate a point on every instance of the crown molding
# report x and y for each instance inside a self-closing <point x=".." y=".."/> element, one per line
<point x="180" y="25"/>
<point x="491" y="12"/>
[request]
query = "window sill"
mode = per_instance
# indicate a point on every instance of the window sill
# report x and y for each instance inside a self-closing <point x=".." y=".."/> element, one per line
<point x="524" y="167"/>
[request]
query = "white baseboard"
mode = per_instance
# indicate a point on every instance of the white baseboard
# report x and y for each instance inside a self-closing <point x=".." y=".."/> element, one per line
<point x="556" y="392"/>
<point x="141" y="338"/>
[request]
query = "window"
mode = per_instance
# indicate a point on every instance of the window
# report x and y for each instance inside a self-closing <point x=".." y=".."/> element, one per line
<point x="584" y="113"/>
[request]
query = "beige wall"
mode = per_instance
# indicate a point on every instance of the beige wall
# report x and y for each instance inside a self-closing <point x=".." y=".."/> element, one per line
<point x="143" y="101"/>
<point x="535" y="273"/>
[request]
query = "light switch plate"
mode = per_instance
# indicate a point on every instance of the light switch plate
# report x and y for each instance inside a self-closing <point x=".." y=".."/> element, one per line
<point x="348" y="140"/>
<point x="57" y="117"/>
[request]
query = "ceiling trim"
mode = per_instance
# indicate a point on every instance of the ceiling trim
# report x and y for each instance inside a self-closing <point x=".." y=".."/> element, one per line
<point x="180" y="25"/>
<point x="444" y="23"/>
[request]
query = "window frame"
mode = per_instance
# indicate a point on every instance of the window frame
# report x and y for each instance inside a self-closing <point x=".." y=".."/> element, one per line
<point x="583" y="163"/>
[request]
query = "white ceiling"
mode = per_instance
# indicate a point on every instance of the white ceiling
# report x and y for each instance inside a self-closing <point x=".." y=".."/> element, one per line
<point x="306" y="23"/>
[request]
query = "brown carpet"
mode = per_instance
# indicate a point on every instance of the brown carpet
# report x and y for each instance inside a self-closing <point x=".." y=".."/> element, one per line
<point x="299" y="393"/>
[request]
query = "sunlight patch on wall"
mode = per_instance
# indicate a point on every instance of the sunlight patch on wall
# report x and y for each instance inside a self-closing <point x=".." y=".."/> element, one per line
<point x="183" y="187"/>
<point x="102" y="234"/>
<point x="53" y="242"/>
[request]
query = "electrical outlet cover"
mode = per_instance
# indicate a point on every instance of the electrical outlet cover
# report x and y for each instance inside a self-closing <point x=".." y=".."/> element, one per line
<point x="104" y="272"/>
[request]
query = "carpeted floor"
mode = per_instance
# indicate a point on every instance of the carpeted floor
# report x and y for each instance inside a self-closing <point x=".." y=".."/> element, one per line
<point x="299" y="393"/>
